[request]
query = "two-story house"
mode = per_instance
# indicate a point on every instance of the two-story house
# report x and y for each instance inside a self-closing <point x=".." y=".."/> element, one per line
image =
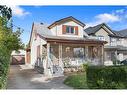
<point x="63" y="44"/>
<point x="116" y="48"/>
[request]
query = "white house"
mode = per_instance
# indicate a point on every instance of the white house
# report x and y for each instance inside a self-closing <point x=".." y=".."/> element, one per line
<point x="62" y="45"/>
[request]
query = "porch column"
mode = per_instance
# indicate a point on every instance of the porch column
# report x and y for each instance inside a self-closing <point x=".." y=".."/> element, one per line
<point x="86" y="52"/>
<point x="60" y="55"/>
<point x="47" y="59"/>
<point x="102" y="54"/>
<point x="48" y="54"/>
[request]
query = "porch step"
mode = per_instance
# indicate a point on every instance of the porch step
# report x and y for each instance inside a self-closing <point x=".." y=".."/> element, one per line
<point x="57" y="71"/>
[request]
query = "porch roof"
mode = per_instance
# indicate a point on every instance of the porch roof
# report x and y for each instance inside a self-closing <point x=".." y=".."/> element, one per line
<point x="118" y="47"/>
<point x="75" y="40"/>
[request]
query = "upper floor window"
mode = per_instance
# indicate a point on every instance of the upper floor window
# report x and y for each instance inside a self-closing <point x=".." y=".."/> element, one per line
<point x="70" y="29"/>
<point x="66" y="29"/>
<point x="101" y="38"/>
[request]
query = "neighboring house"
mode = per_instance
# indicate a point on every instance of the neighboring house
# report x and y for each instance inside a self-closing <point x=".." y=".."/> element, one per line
<point x="63" y="44"/>
<point x="18" y="57"/>
<point x="116" y="48"/>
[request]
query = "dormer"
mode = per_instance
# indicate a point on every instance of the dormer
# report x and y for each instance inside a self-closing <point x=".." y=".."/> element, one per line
<point x="67" y="27"/>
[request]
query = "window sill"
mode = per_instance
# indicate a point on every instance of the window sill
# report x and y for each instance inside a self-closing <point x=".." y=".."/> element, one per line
<point x="70" y="34"/>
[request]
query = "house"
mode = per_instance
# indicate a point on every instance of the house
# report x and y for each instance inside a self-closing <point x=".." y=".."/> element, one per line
<point x="63" y="44"/>
<point x="18" y="57"/>
<point x="116" y="48"/>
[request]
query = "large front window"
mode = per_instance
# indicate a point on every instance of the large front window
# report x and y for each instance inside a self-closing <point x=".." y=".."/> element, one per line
<point x="78" y="52"/>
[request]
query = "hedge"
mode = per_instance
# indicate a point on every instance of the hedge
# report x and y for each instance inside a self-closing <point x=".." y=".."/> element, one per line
<point x="4" y="65"/>
<point x="111" y="77"/>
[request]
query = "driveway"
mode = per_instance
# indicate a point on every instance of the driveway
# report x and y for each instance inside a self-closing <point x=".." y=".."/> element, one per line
<point x="22" y="77"/>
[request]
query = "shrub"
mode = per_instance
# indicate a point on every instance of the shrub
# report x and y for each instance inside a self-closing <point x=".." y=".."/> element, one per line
<point x="84" y="67"/>
<point x="112" y="77"/>
<point x="4" y="64"/>
<point x="116" y="62"/>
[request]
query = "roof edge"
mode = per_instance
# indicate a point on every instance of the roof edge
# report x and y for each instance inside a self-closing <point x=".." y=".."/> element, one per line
<point x="67" y="18"/>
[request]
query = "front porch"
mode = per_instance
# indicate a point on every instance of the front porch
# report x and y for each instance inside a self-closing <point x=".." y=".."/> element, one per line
<point x="74" y="55"/>
<point x="62" y="56"/>
<point x="58" y="56"/>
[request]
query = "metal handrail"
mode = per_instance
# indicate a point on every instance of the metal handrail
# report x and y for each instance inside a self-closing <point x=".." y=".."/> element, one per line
<point x="50" y="65"/>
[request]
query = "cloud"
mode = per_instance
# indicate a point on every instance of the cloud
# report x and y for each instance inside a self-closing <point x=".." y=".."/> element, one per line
<point x="120" y="11"/>
<point x="104" y="18"/>
<point x="107" y="17"/>
<point x="115" y="16"/>
<point x="18" y="11"/>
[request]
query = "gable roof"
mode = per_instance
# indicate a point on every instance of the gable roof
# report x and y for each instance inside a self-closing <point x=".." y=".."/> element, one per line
<point x="40" y="29"/>
<point x="123" y="32"/>
<point x="94" y="29"/>
<point x="66" y="19"/>
<point x="117" y="34"/>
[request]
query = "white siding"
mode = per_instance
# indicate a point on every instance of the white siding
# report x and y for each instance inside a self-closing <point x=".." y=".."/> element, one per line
<point x="124" y="42"/>
<point x="53" y="31"/>
<point x="57" y="30"/>
<point x="102" y="32"/>
<point x="34" y="45"/>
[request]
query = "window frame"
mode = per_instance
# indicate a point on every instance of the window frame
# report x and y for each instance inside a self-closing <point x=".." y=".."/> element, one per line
<point x="70" y="29"/>
<point x="79" y="52"/>
<point x="101" y="37"/>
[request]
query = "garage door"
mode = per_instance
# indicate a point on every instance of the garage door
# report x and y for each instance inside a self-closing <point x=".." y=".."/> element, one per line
<point x="18" y="60"/>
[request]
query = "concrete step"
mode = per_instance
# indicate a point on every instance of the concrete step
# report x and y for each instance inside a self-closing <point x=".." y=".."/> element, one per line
<point x="57" y="71"/>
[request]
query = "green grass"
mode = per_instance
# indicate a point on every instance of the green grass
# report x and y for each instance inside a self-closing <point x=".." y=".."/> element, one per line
<point x="77" y="81"/>
<point x="111" y="77"/>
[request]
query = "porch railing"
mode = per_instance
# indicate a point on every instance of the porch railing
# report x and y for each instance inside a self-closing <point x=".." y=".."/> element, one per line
<point x="50" y="65"/>
<point x="77" y="62"/>
<point x="72" y="62"/>
<point x="39" y="65"/>
<point x="54" y="65"/>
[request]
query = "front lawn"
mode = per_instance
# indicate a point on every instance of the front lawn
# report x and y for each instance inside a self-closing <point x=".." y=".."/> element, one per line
<point x="99" y="77"/>
<point x="77" y="81"/>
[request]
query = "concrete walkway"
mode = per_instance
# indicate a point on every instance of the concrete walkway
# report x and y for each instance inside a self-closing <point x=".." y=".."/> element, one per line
<point x="21" y="77"/>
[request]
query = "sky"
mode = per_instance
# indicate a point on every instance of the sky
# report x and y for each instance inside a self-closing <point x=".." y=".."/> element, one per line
<point x="24" y="16"/>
